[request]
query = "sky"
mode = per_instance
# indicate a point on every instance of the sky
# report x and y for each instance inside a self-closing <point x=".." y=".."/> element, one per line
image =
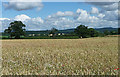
<point x="48" y="9"/>
<point x="61" y="15"/>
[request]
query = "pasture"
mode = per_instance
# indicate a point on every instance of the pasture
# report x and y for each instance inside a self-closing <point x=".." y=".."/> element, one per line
<point x="89" y="56"/>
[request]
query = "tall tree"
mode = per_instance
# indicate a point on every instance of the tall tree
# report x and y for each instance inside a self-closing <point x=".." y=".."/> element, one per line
<point x="53" y="31"/>
<point x="92" y="32"/>
<point x="106" y="32"/>
<point x="113" y="32"/>
<point x="16" y="29"/>
<point x="119" y="31"/>
<point x="82" y="31"/>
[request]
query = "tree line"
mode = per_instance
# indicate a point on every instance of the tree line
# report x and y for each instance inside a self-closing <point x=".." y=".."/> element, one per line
<point x="17" y="29"/>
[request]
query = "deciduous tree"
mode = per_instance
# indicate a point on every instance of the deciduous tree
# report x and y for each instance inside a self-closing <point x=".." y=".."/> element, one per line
<point x="16" y="29"/>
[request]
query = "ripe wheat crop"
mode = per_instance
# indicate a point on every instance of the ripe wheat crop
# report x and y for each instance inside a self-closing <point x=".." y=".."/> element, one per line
<point x="90" y="56"/>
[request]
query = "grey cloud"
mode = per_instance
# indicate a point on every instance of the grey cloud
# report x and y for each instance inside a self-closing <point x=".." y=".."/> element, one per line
<point x="111" y="15"/>
<point x="102" y="0"/>
<point x="109" y="9"/>
<point x="22" y="5"/>
<point x="108" y="6"/>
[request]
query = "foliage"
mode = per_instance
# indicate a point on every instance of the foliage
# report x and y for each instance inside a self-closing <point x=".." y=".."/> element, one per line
<point x="16" y="29"/>
<point x="82" y="31"/>
<point x="106" y="32"/>
<point x="93" y="32"/>
<point x="118" y="30"/>
<point x="113" y="32"/>
<point x="53" y="31"/>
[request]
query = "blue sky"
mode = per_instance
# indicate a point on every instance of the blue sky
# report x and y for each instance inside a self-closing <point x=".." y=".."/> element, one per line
<point x="60" y="15"/>
<point x="48" y="9"/>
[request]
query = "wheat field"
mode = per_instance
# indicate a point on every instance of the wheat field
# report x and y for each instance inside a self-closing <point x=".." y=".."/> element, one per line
<point x="89" y="56"/>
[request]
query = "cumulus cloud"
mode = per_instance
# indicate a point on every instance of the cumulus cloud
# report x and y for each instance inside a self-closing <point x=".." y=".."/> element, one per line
<point x="23" y="4"/>
<point x="66" y="13"/>
<point x="4" y="19"/>
<point x="25" y="0"/>
<point x="5" y="23"/>
<point x="94" y="21"/>
<point x="59" y="22"/>
<point x="61" y="14"/>
<point x="100" y="15"/>
<point x="66" y="20"/>
<point x="84" y="17"/>
<point x="24" y="17"/>
<point x="21" y="17"/>
<point x="109" y="9"/>
<point x="94" y="10"/>
<point x="64" y="23"/>
<point x="110" y="12"/>
<point x="82" y="14"/>
<point x="31" y="23"/>
<point x="118" y="14"/>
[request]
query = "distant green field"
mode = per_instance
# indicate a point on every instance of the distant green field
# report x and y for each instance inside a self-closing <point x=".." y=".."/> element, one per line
<point x="3" y="36"/>
<point x="44" y="37"/>
<point x="57" y="37"/>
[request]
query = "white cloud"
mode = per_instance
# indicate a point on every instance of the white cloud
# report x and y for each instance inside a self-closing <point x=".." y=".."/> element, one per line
<point x="38" y="19"/>
<point x="94" y="10"/>
<point x="66" y="20"/>
<point x="119" y="12"/>
<point x="68" y="13"/>
<point x="32" y="23"/>
<point x="24" y="1"/>
<point x="100" y="15"/>
<point x="59" y="22"/>
<point x="4" y="19"/>
<point x="21" y="17"/>
<point x="80" y="10"/>
<point x="80" y="17"/>
<point x="61" y="14"/>
<point x="84" y="17"/>
<point x="5" y="23"/>
<point x="23" y="4"/>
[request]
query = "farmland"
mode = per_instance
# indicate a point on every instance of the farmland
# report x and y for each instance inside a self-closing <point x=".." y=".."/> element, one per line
<point x="90" y="56"/>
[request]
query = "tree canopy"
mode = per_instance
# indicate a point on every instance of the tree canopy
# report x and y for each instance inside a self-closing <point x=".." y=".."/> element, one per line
<point x="16" y="29"/>
<point x="82" y="31"/>
<point x="53" y="31"/>
<point x="92" y="32"/>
